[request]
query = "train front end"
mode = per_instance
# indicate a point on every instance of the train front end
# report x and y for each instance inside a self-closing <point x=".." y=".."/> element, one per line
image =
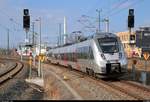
<point x="112" y="59"/>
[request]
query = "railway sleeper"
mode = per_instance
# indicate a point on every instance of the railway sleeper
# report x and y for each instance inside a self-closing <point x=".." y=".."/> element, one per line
<point x="90" y="72"/>
<point x="10" y="77"/>
<point x="70" y="67"/>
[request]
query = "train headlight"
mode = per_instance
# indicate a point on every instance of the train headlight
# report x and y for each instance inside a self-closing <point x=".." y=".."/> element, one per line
<point x="103" y="56"/>
<point x="120" y="55"/>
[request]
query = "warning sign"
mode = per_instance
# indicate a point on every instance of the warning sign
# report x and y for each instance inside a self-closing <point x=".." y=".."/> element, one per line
<point x="41" y="57"/>
<point x="146" y="55"/>
<point x="30" y="60"/>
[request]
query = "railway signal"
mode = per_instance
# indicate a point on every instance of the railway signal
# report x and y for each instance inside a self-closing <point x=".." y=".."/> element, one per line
<point x="26" y="19"/>
<point x="132" y="38"/>
<point x="131" y="25"/>
<point x="26" y="22"/>
<point x="26" y="12"/>
<point x="131" y="18"/>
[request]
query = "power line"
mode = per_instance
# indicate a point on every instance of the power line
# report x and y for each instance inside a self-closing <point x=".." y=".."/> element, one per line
<point x="86" y="24"/>
<point x="117" y="5"/>
<point x="87" y="18"/>
<point x="10" y="18"/>
<point x="114" y="13"/>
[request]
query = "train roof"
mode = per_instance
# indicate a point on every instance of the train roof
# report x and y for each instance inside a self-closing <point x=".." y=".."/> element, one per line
<point x="104" y="34"/>
<point x="96" y="35"/>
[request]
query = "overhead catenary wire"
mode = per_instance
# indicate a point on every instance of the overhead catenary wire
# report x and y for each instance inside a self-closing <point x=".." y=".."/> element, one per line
<point x="111" y="13"/>
<point x="96" y="17"/>
<point x="116" y="6"/>
<point x="89" y="17"/>
<point x="115" y="10"/>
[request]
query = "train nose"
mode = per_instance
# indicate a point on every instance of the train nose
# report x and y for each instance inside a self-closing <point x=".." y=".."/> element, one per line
<point x="111" y="67"/>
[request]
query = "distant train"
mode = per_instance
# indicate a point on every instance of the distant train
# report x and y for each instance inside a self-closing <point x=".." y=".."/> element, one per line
<point x="101" y="54"/>
<point x="30" y="50"/>
<point x="23" y="50"/>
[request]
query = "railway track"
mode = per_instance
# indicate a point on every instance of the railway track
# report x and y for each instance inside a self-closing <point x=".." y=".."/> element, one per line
<point x="136" y="91"/>
<point x="122" y="90"/>
<point x="11" y="72"/>
<point x="139" y="92"/>
<point x="113" y="88"/>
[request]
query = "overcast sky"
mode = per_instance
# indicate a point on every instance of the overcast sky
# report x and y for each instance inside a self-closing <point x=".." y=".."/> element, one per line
<point x="53" y="11"/>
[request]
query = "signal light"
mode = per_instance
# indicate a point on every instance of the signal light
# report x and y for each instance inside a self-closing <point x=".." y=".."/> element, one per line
<point x="26" y="22"/>
<point x="131" y="12"/>
<point x="131" y="18"/>
<point x="26" y="12"/>
<point x="130" y="21"/>
<point x="132" y="37"/>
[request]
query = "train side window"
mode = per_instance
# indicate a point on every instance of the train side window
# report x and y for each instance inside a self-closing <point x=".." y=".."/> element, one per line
<point x="91" y="53"/>
<point x="78" y="53"/>
<point x="83" y="53"/>
<point x="69" y="56"/>
<point x="86" y="52"/>
<point x="59" y="57"/>
<point x="62" y="56"/>
<point x="55" y="56"/>
<point x="74" y="57"/>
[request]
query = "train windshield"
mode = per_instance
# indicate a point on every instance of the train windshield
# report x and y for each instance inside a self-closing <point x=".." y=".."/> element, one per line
<point x="109" y="45"/>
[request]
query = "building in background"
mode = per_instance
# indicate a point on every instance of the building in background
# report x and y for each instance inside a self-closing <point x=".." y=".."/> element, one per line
<point x="142" y="41"/>
<point x="125" y="39"/>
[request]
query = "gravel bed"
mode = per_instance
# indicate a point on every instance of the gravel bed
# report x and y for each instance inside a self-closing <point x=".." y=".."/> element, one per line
<point x="55" y="90"/>
<point x="139" y="67"/>
<point x="89" y="90"/>
<point x="18" y="89"/>
<point x="134" y="90"/>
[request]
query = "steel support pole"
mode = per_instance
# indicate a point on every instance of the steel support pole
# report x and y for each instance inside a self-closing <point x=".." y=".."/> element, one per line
<point x="99" y="19"/>
<point x="60" y="34"/>
<point x="39" y="65"/>
<point x="33" y="34"/>
<point x="21" y="54"/>
<point x="133" y="72"/>
<point x="30" y="62"/>
<point x="7" y="41"/>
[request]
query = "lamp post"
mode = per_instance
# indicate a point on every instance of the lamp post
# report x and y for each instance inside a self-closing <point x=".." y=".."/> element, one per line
<point x="39" y="65"/>
<point x="7" y="41"/>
